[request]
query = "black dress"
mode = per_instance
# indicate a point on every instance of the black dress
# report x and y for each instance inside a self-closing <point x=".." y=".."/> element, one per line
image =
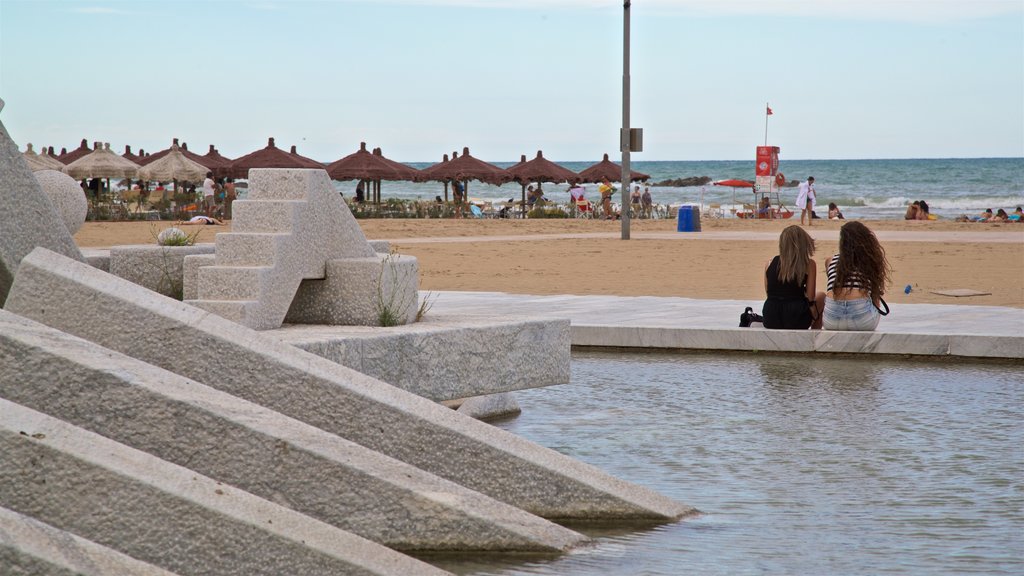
<point x="786" y="306"/>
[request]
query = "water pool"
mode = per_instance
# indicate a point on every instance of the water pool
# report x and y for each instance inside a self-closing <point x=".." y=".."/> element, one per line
<point x="802" y="464"/>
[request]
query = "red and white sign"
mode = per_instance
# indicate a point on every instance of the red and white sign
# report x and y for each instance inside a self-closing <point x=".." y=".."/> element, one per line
<point x="767" y="161"/>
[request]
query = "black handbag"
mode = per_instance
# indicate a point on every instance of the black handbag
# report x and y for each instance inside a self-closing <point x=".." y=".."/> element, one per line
<point x="748" y="317"/>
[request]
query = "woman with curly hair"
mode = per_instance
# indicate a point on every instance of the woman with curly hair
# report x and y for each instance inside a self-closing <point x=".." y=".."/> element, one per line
<point x="857" y="277"/>
<point x="789" y="283"/>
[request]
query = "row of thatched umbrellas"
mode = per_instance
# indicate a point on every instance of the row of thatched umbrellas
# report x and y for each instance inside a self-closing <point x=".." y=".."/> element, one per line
<point x="177" y="163"/>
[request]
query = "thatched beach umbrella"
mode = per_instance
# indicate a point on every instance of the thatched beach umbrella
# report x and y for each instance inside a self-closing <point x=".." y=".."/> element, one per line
<point x="43" y="161"/>
<point x="610" y="170"/>
<point x="102" y="163"/>
<point x="83" y="149"/>
<point x="363" y="165"/>
<point x="220" y="165"/>
<point x="129" y="156"/>
<point x="269" y="157"/>
<point x="173" y="166"/>
<point x="465" y="168"/>
<point x="538" y="170"/>
<point x="182" y="148"/>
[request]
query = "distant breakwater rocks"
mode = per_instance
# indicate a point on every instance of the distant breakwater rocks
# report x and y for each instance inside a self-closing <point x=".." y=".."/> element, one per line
<point x="704" y="180"/>
<point x="683" y="182"/>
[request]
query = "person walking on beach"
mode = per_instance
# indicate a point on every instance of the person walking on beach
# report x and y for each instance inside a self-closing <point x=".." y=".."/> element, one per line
<point x="458" y="196"/>
<point x="857" y="277"/>
<point x="805" y="200"/>
<point x="209" y="195"/>
<point x="606" y="189"/>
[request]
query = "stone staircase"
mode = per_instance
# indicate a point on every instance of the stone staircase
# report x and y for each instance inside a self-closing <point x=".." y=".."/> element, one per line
<point x="284" y="232"/>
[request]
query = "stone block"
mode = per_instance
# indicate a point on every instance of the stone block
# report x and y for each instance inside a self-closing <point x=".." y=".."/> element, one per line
<point x="158" y="268"/>
<point x="444" y="356"/>
<point x="490" y="407"/>
<point x="67" y="197"/>
<point x="166" y="515"/>
<point x="380" y="246"/>
<point x="116" y="314"/>
<point x="360" y="292"/>
<point x="97" y="258"/>
<point x="29" y="547"/>
<point x="257" y="450"/>
<point x="190" y="273"/>
<point x="27" y="217"/>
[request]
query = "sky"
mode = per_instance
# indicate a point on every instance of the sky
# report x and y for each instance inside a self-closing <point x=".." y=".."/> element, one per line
<point x="845" y="79"/>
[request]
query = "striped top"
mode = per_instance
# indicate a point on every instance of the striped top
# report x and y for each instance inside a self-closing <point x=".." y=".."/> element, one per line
<point x="853" y="281"/>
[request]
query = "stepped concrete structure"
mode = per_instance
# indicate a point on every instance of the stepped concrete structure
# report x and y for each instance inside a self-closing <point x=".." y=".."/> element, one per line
<point x="127" y="318"/>
<point x="29" y="547"/>
<point x="27" y="217"/>
<point x="140" y="434"/>
<point x="294" y="231"/>
<point x="164" y="514"/>
<point x="256" y="449"/>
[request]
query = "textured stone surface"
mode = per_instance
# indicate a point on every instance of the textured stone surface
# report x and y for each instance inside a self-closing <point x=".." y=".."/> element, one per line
<point x="66" y="195"/>
<point x="158" y="268"/>
<point x="356" y="291"/>
<point x="685" y="323"/>
<point x="164" y="514"/>
<point x="491" y="406"/>
<point x="114" y="313"/>
<point x="27" y="217"/>
<point x="29" y="547"/>
<point x="443" y="357"/>
<point x="97" y="258"/>
<point x="256" y="449"/>
<point x="296" y="222"/>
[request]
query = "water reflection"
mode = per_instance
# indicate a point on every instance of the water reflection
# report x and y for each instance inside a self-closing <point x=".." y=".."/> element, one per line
<point x="801" y="464"/>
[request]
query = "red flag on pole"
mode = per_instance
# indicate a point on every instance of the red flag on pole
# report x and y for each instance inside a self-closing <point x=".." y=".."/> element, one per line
<point x="768" y="111"/>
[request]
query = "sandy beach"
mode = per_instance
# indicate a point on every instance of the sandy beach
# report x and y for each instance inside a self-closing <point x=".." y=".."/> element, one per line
<point x="723" y="261"/>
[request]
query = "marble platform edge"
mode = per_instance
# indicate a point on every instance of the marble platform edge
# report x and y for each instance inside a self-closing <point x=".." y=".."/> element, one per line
<point x="762" y="340"/>
<point x="446" y="356"/>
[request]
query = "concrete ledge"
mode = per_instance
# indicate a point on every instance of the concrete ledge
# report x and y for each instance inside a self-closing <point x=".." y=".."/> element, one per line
<point x="490" y="407"/>
<point x="97" y="258"/>
<point x="687" y="323"/>
<point x="257" y="450"/>
<point x="164" y="514"/>
<point x="158" y="268"/>
<point x="33" y="548"/>
<point x="444" y="357"/>
<point x="354" y="292"/>
<point x="116" y="314"/>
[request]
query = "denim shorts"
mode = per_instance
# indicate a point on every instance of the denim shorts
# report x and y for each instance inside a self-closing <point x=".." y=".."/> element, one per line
<point x="859" y="314"/>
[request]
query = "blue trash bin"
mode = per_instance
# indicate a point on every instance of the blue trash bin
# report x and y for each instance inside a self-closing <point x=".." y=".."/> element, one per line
<point x="688" y="219"/>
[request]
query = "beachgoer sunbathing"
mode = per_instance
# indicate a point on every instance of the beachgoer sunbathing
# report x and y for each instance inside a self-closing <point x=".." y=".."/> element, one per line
<point x="912" y="211"/>
<point x="203" y="220"/>
<point x="1017" y="216"/>
<point x="1001" y="216"/>
<point x="833" y="212"/>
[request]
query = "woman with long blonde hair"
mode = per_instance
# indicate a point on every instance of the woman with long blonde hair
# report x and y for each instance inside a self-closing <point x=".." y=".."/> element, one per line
<point x="790" y="284"/>
<point x="857" y="277"/>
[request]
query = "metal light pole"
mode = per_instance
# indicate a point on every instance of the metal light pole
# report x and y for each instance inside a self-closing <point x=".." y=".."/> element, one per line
<point x="624" y="134"/>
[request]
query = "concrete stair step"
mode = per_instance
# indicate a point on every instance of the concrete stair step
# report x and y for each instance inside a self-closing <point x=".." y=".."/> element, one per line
<point x="233" y="282"/>
<point x="267" y="215"/>
<point x="250" y="248"/>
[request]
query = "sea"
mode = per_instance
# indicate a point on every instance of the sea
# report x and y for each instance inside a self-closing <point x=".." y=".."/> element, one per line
<point x="865" y="189"/>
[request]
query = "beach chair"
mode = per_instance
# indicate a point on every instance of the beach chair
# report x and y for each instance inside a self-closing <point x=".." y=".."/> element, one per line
<point x="714" y="210"/>
<point x="476" y="211"/>
<point x="584" y="209"/>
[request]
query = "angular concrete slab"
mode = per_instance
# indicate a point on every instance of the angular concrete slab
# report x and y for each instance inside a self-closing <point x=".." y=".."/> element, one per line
<point x="256" y="449"/>
<point x="27" y="217"/>
<point x="156" y="267"/>
<point x="114" y="313"/>
<point x="32" y="548"/>
<point x="355" y="292"/>
<point x="444" y="357"/>
<point x="164" y="514"/>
